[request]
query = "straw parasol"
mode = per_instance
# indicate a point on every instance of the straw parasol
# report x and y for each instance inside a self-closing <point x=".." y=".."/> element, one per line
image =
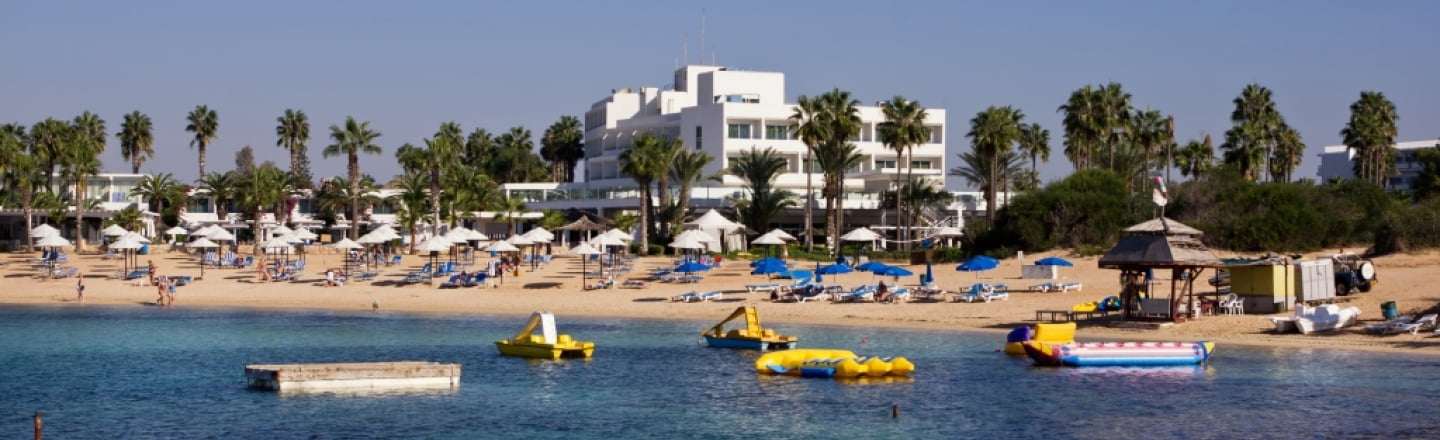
<point x="584" y="251"/>
<point x="52" y="241"/>
<point x="136" y="236"/>
<point x="782" y="235"/>
<point x="202" y="243"/>
<point x="502" y="246"/>
<point x="126" y="244"/>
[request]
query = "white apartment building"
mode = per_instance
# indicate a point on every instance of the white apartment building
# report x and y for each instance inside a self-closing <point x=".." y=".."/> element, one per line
<point x="1337" y="161"/>
<point x="724" y="112"/>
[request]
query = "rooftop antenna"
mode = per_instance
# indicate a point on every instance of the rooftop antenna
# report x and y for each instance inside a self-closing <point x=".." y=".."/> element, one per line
<point x="685" y="50"/>
<point x="702" y="36"/>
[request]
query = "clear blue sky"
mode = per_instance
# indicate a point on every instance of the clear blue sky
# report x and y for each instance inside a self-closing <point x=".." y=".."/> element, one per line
<point x="408" y="66"/>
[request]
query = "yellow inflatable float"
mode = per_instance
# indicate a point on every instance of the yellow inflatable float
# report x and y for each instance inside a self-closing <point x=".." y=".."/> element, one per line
<point x="1055" y="333"/>
<point x="820" y="362"/>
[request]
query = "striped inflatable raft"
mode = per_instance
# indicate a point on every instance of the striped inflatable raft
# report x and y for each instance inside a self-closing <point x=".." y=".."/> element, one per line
<point x="1121" y="354"/>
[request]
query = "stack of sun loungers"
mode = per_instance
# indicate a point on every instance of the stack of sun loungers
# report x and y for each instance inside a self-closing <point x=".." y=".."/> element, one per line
<point x="693" y="296"/>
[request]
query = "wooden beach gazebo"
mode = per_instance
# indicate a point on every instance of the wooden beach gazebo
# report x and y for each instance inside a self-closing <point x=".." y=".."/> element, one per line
<point x="1161" y="244"/>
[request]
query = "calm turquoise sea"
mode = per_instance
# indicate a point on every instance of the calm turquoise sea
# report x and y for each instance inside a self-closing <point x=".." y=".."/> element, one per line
<point x="142" y="372"/>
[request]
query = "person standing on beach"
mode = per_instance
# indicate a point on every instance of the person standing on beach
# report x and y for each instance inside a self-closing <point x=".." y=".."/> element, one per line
<point x="80" y="286"/>
<point x="152" y="270"/>
<point x="160" y="283"/>
<point x="170" y="295"/>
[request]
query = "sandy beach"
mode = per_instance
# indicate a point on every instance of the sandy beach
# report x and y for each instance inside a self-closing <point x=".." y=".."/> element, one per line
<point x="557" y="287"/>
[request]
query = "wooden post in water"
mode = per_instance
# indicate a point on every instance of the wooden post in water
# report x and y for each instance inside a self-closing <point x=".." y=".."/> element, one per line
<point x="895" y="411"/>
<point x="39" y="423"/>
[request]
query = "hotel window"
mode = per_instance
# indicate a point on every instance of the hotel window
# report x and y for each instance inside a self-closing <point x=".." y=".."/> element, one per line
<point x="739" y="131"/>
<point x="884" y="164"/>
<point x="936" y="134"/>
<point x="777" y="132"/>
<point x="699" y="140"/>
<point x="920" y="164"/>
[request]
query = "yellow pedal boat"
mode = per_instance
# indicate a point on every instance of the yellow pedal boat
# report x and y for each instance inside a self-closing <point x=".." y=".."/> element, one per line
<point x="752" y="336"/>
<point x="549" y="344"/>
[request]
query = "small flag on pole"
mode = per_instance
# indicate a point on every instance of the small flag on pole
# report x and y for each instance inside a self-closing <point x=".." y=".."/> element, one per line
<point x="1160" y="196"/>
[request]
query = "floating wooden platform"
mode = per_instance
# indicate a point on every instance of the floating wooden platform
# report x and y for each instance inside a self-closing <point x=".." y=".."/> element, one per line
<point x="315" y="377"/>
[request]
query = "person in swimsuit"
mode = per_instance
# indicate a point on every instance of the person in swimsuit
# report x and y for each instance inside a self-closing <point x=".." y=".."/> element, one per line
<point x="80" y="287"/>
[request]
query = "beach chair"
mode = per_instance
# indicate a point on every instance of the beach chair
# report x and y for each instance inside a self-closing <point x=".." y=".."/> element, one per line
<point x="1045" y="287"/>
<point x="714" y="295"/>
<point x="1066" y="287"/>
<point x="691" y="279"/>
<point x="366" y="276"/>
<point x="995" y="293"/>
<point x="66" y="272"/>
<point x="476" y="280"/>
<point x="811" y="294"/>
<point x="1232" y="304"/>
<point x="973" y="294"/>
<point x="634" y="284"/>
<point x="861" y="293"/>
<point x="1388" y="327"/>
<point x="602" y="284"/>
<point x="1414" y="327"/>
<point x="686" y="297"/>
<point x="901" y="295"/>
<point x="752" y="288"/>
<point x="109" y="255"/>
<point x="455" y="281"/>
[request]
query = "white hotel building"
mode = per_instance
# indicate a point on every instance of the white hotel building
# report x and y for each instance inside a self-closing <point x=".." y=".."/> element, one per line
<point x="1337" y="162"/>
<point x="724" y="112"/>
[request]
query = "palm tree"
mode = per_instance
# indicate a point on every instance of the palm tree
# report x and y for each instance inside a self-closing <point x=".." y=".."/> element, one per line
<point x="642" y="163"/>
<point x="1371" y="135"/>
<point x="412" y="198"/>
<point x="510" y="210"/>
<point x="473" y="191"/>
<point x="48" y="140"/>
<point x="1082" y="120"/>
<point x="23" y="175"/>
<point x="80" y="160"/>
<point x="262" y="188"/>
<point x="351" y="140"/>
<point x="129" y="218"/>
<point x="993" y="133"/>
<point x="1035" y="144"/>
<point x="805" y="123"/>
<point x="840" y="113"/>
<point x="563" y="145"/>
<point x="687" y="170"/>
<point x="903" y="129"/>
<point x="1256" y="122"/>
<point x="1289" y="150"/>
<point x="977" y="169"/>
<point x="437" y="157"/>
<point x="205" y="124"/>
<point x="158" y="189"/>
<point x="136" y="139"/>
<point x="479" y="150"/>
<point x="514" y="158"/>
<point x="12" y="144"/>
<point x="1196" y="158"/>
<point x="759" y="168"/>
<point x="292" y="130"/>
<point x="1148" y="134"/>
<point x="665" y="154"/>
<point x="923" y="195"/>
<point x="222" y="188"/>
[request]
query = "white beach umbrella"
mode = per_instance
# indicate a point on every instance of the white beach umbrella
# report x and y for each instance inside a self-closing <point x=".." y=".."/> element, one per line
<point x="782" y="235"/>
<point x="768" y="238"/>
<point x="221" y="235"/>
<point x="477" y="236"/>
<point x="126" y="243"/>
<point x="459" y="235"/>
<point x="604" y="240"/>
<point x="276" y="243"/>
<point x="501" y="246"/>
<point x="176" y="231"/>
<point x="136" y="236"/>
<point x="860" y="234"/>
<point x="539" y="235"/>
<point x="202" y="243"/>
<point x="113" y="231"/>
<point x="281" y="230"/>
<point x="435" y="244"/>
<point x="699" y="235"/>
<point x="687" y="242"/>
<point x="305" y="234"/>
<point x="619" y="235"/>
<point x="346" y="244"/>
<point x="43" y="231"/>
<point x="371" y="238"/>
<point x="519" y="240"/>
<point x="51" y="241"/>
<point x="585" y="249"/>
<point x="290" y="238"/>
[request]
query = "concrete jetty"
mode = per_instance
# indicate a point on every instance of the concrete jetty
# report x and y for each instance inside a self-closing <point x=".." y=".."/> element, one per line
<point x="317" y="377"/>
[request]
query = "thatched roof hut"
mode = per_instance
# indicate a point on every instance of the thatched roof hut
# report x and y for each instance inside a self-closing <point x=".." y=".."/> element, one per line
<point x="1160" y="243"/>
<point x="1163" y="226"/>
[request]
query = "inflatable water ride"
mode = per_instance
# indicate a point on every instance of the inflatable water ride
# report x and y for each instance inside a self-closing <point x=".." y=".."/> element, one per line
<point x="752" y="336"/>
<point x="819" y="362"/>
<point x="1122" y="354"/>
<point x="549" y="344"/>
<point x="1053" y="333"/>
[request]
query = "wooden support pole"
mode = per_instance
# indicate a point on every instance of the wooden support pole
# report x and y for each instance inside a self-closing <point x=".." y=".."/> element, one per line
<point x="39" y="425"/>
<point x="895" y="411"/>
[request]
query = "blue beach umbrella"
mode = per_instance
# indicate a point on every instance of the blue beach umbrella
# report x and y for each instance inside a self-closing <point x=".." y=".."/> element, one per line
<point x="896" y="272"/>
<point x="769" y="268"/>
<point x="834" y="269"/>
<point x="978" y="264"/>
<point x="929" y="276"/>
<point x="819" y="277"/>
<point x="767" y="260"/>
<point x="876" y="269"/>
<point x="869" y="266"/>
<point x="1053" y="261"/>
<point x="691" y="267"/>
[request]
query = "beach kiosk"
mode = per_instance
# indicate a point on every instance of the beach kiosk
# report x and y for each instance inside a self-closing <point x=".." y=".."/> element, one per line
<point x="1156" y="246"/>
